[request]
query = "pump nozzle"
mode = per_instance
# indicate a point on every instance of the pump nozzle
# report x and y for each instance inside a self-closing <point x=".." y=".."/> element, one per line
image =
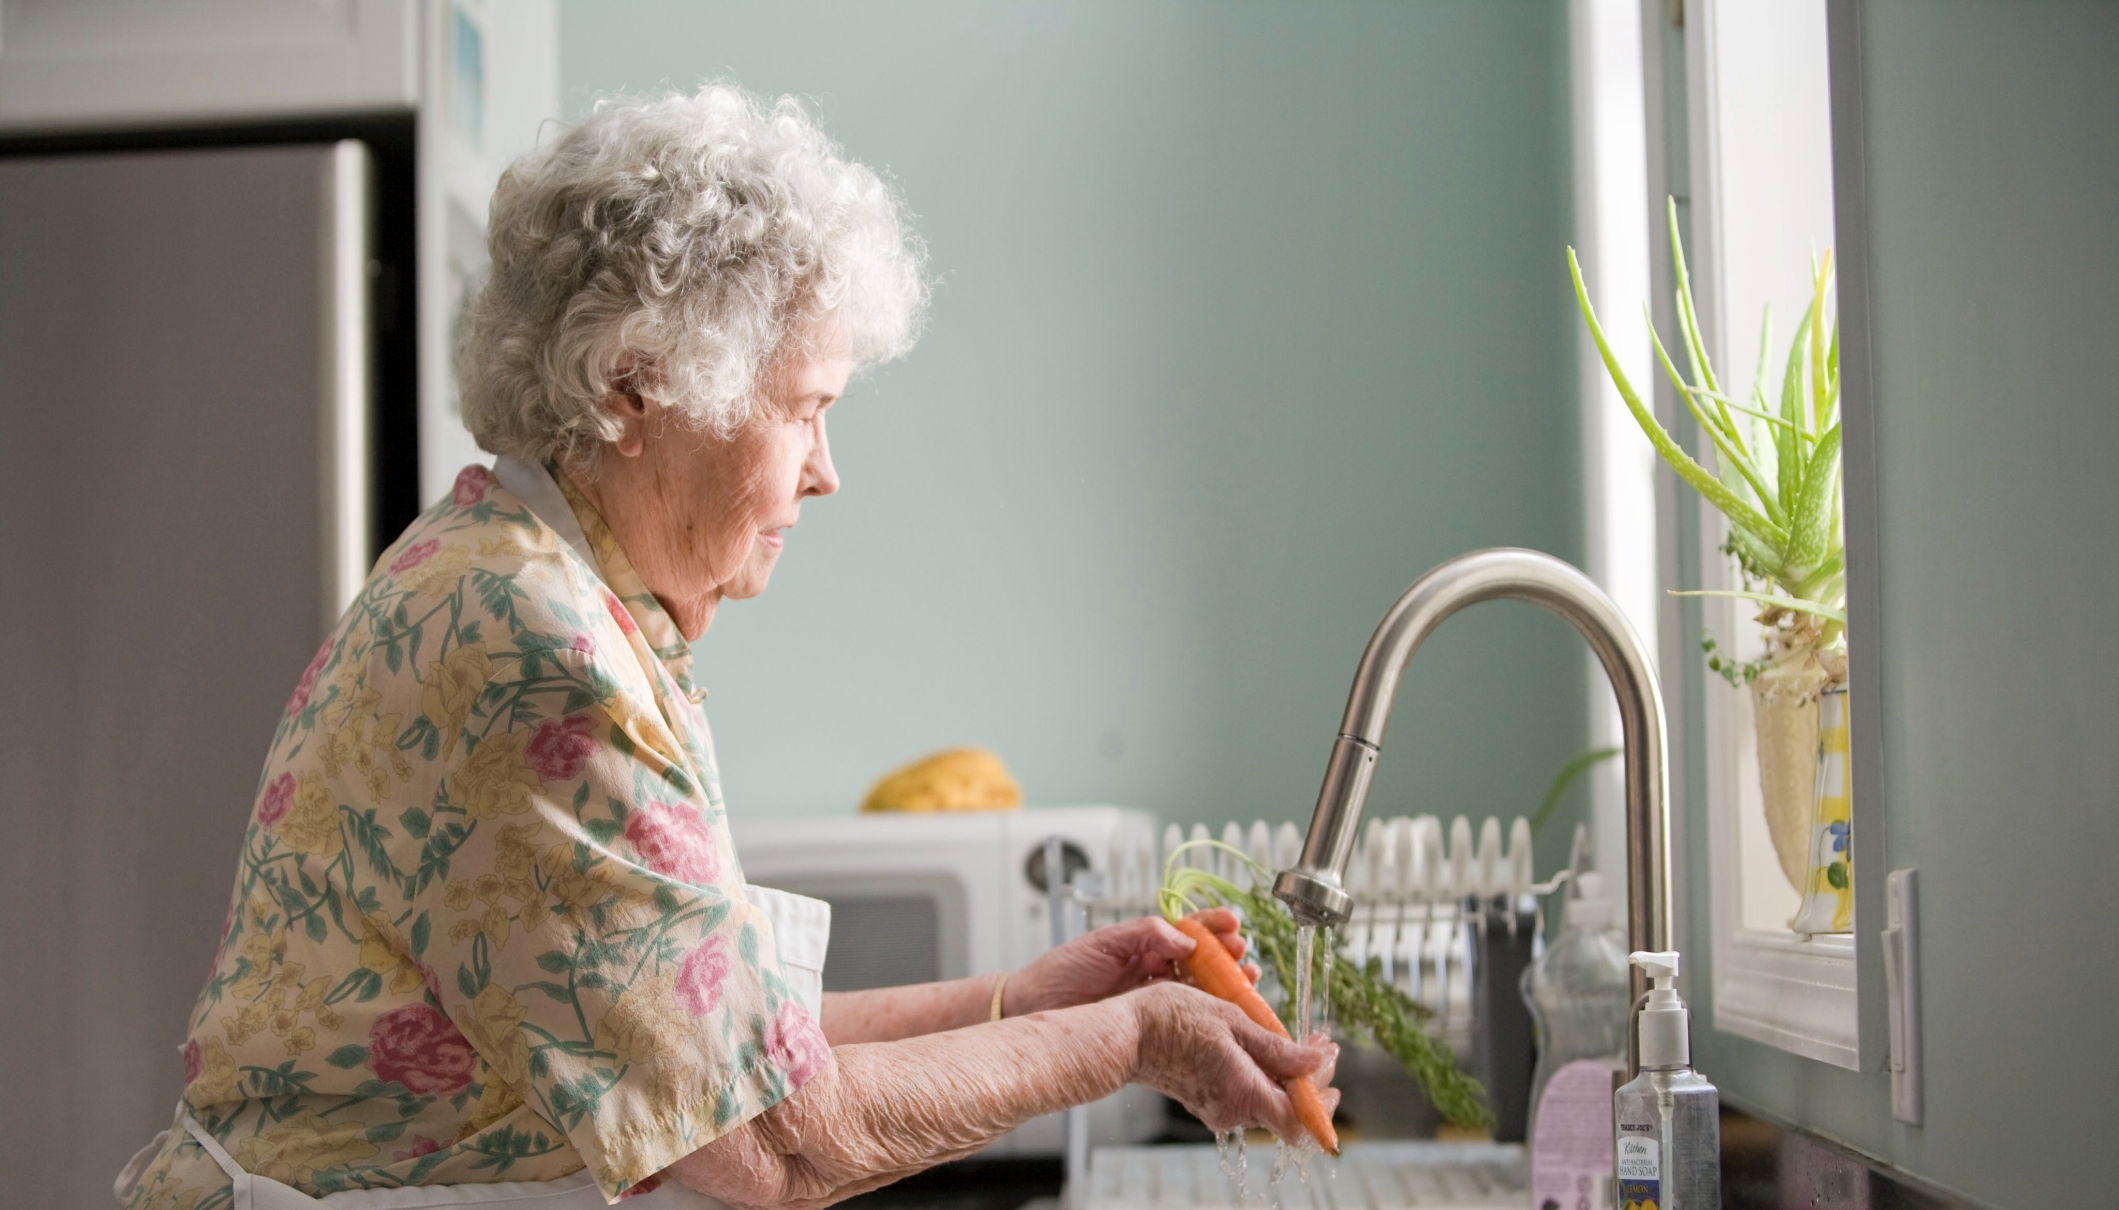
<point x="1665" y="1025"/>
<point x="1661" y="966"/>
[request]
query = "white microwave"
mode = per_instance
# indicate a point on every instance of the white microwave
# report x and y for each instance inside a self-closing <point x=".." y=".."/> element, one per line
<point x="918" y="898"/>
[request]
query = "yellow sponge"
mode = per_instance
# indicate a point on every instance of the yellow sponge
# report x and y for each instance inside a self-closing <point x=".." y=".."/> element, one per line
<point x="960" y="779"/>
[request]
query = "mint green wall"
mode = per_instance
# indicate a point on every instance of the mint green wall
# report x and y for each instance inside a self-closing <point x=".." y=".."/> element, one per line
<point x="1249" y="313"/>
<point x="1992" y="169"/>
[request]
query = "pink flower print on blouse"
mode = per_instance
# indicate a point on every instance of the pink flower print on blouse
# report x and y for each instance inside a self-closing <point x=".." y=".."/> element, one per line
<point x="699" y="979"/>
<point x="414" y="555"/>
<point x="471" y="484"/>
<point x="418" y="1047"/>
<point x="560" y="746"/>
<point x="620" y="614"/>
<point x="795" y="1045"/>
<point x="273" y="806"/>
<point x="672" y="840"/>
<point x="421" y="1144"/>
<point x="303" y="687"/>
<point x="191" y="1062"/>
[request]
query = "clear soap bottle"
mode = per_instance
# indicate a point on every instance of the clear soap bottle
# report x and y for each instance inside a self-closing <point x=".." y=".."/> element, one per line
<point x="1579" y="989"/>
<point x="1668" y="1132"/>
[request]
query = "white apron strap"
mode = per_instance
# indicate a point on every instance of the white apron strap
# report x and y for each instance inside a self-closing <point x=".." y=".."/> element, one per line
<point x="251" y="1191"/>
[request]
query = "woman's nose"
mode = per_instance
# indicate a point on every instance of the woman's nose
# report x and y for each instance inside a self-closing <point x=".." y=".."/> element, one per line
<point x="819" y="476"/>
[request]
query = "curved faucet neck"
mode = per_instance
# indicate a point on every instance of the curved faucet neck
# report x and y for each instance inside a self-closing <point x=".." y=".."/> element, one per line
<point x="1314" y="890"/>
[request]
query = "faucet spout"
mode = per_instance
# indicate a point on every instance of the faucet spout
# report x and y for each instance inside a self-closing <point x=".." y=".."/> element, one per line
<point x="1314" y="889"/>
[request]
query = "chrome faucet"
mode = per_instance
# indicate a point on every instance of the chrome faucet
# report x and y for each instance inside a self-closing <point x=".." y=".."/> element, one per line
<point x="1315" y="889"/>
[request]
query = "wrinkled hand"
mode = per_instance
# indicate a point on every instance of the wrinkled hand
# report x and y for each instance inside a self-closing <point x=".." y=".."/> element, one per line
<point x="1219" y="1064"/>
<point x="1114" y="960"/>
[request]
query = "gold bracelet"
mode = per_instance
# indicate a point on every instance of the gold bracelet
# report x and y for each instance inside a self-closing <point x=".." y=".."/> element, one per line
<point x="1000" y="987"/>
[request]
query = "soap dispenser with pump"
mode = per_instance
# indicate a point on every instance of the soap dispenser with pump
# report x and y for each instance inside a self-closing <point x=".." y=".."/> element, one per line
<point x="1667" y="1135"/>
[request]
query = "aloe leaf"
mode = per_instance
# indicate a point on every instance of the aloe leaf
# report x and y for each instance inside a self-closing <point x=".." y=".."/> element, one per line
<point x="1687" y="318"/>
<point x="1832" y="360"/>
<point x="1764" y="554"/>
<point x="1768" y="443"/>
<point x="1754" y="413"/>
<point x="1820" y="385"/>
<point x="1771" y="598"/>
<point x="1831" y="588"/>
<point x="1810" y="514"/>
<point x="1732" y="505"/>
<point x="1758" y="373"/>
<point x="1670" y="371"/>
<point x="1815" y="585"/>
<point x="1835" y="539"/>
<point x="1786" y="447"/>
<point x="1720" y="422"/>
<point x="1717" y="428"/>
<point x="1733" y="454"/>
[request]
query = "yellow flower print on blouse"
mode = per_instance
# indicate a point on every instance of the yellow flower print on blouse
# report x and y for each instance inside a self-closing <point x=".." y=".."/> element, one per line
<point x="293" y="1150"/>
<point x="493" y="1023"/>
<point x="646" y="1024"/>
<point x="494" y="781"/>
<point x="452" y="688"/>
<point x="311" y="823"/>
<point x="487" y="922"/>
<point x="211" y="1077"/>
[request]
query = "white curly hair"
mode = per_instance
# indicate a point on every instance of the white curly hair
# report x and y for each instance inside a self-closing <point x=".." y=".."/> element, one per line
<point x="676" y="245"/>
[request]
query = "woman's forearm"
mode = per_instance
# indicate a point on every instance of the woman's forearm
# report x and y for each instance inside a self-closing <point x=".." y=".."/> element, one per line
<point x="888" y="1014"/>
<point x="885" y="1110"/>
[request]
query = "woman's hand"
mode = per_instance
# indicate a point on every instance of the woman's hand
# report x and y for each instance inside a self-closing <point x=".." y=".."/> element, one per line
<point x="1222" y="1066"/>
<point x="1112" y="961"/>
<point x="878" y="1112"/>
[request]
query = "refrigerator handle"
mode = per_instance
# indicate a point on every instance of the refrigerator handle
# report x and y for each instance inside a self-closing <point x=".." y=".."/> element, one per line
<point x="345" y="382"/>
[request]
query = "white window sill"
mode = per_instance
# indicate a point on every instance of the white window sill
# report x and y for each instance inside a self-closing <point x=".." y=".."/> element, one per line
<point x="1796" y="995"/>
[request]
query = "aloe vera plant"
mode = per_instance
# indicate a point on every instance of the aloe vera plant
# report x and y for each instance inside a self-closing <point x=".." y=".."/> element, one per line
<point x="1779" y="465"/>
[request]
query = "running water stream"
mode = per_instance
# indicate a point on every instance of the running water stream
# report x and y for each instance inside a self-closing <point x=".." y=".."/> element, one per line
<point x="1299" y="1156"/>
<point x="1235" y="1164"/>
<point x="1305" y="949"/>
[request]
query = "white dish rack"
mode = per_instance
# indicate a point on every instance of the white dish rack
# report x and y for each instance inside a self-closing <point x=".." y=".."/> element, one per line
<point x="1422" y="893"/>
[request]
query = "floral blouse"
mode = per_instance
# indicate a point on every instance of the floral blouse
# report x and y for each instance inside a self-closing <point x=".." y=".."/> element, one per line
<point x="487" y="924"/>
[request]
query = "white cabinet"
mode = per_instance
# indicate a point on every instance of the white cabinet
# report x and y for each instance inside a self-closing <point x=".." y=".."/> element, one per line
<point x="137" y="62"/>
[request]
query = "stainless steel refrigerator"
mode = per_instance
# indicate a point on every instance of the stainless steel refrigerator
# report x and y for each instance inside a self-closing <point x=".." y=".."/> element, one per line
<point x="186" y="406"/>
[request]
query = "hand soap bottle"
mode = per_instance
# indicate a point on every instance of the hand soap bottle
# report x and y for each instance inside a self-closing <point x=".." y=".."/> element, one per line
<point x="1668" y="1132"/>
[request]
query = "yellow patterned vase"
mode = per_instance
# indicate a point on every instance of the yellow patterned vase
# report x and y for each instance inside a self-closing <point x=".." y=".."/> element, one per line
<point x="1828" y="880"/>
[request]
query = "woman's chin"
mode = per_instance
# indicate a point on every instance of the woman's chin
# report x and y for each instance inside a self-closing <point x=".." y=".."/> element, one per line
<point x="755" y="576"/>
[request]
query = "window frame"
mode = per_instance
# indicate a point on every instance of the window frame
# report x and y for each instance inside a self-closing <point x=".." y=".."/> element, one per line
<point x="1821" y="998"/>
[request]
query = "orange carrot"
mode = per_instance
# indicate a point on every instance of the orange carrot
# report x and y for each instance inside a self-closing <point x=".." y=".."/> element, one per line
<point x="1217" y="973"/>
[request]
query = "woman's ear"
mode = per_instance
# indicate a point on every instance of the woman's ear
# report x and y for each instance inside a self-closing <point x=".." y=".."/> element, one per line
<point x="629" y="409"/>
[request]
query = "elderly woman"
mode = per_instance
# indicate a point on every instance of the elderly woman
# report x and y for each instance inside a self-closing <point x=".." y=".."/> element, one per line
<point x="488" y="936"/>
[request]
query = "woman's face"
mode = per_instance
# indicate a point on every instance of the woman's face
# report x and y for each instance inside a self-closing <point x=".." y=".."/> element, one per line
<point x="702" y="518"/>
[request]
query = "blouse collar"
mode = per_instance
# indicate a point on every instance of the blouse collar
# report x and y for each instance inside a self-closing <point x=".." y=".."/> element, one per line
<point x="581" y="526"/>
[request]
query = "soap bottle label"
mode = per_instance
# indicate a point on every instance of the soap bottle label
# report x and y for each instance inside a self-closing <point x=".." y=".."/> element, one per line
<point x="1570" y="1143"/>
<point x="1640" y="1168"/>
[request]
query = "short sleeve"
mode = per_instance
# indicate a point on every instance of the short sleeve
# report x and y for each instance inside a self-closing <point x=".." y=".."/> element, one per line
<point x="598" y="950"/>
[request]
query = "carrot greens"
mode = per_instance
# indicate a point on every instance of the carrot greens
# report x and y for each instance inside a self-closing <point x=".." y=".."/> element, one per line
<point x="1365" y="1007"/>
